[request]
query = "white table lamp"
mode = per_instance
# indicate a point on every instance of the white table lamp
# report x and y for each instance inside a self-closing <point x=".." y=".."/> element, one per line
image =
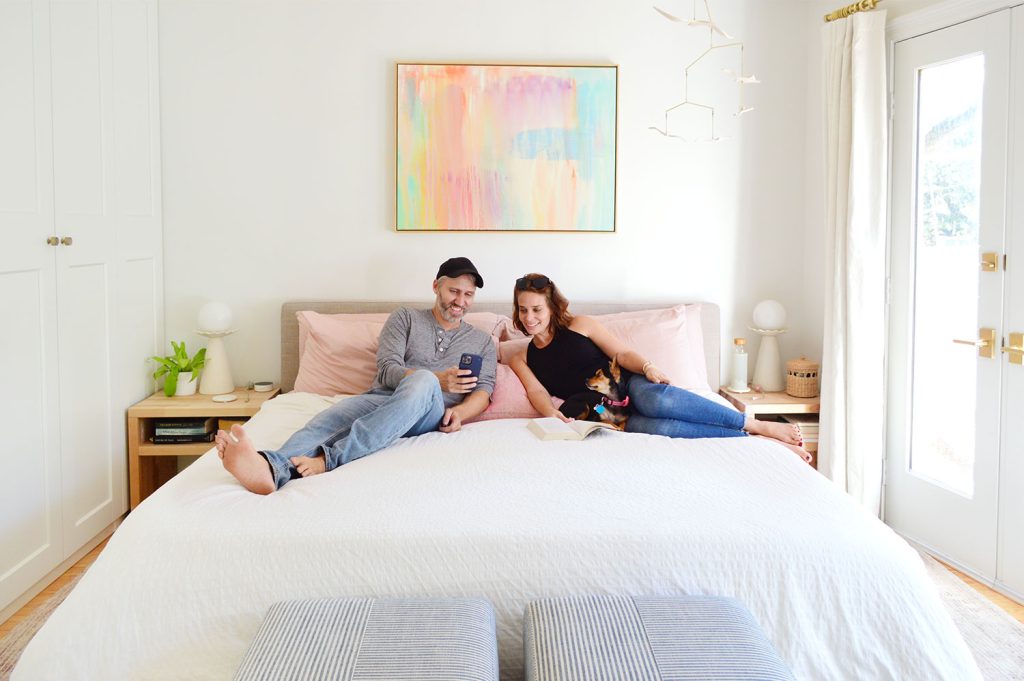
<point x="769" y="322"/>
<point x="214" y="323"/>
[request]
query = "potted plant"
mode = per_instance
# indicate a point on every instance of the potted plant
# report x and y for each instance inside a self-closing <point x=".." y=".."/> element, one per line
<point x="180" y="366"/>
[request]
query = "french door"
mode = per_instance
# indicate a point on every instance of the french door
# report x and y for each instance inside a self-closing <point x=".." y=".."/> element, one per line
<point x="954" y="475"/>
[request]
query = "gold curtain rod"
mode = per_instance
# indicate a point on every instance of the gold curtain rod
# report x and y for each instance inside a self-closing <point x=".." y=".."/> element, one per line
<point x="843" y="12"/>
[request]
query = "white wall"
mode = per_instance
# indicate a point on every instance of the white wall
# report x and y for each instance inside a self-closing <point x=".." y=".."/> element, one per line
<point x="278" y="148"/>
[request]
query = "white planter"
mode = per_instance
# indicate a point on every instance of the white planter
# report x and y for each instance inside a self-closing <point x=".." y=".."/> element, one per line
<point x="186" y="386"/>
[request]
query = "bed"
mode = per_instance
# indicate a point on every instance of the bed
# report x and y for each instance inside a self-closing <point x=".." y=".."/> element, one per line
<point x="492" y="511"/>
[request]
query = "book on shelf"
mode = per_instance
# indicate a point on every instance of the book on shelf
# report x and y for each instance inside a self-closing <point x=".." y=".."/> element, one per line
<point x="554" y="428"/>
<point x="808" y="422"/>
<point x="188" y="422"/>
<point x="199" y="426"/>
<point x="179" y="439"/>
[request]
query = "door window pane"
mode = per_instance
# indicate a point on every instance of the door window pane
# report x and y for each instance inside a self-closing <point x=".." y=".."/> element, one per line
<point x="946" y="272"/>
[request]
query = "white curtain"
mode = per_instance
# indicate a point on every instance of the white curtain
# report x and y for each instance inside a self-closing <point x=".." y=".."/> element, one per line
<point x="853" y="386"/>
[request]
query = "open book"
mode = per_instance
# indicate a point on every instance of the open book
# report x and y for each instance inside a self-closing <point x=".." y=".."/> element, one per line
<point x="553" y="428"/>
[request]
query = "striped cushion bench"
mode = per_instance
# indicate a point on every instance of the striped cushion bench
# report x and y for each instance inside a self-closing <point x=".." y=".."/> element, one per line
<point x="374" y="639"/>
<point x="656" y="638"/>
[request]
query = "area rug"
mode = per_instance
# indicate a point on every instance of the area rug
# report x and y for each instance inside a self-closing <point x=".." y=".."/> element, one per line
<point x="995" y="638"/>
<point x="18" y="637"/>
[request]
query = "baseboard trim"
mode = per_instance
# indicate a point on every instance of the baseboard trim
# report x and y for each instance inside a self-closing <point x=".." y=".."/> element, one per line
<point x="993" y="584"/>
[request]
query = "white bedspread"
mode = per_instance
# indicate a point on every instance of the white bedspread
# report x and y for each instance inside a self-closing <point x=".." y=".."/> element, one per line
<point x="491" y="511"/>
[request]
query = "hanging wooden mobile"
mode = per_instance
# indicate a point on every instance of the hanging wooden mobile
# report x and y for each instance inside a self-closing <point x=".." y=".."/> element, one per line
<point x="739" y="77"/>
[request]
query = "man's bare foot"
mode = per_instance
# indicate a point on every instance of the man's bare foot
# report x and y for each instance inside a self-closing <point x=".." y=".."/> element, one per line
<point x="243" y="461"/>
<point x="309" y="465"/>
<point x="788" y="433"/>
<point x="799" y="451"/>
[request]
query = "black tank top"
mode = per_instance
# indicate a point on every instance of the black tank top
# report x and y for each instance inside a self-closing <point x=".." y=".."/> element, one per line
<point x="564" y="364"/>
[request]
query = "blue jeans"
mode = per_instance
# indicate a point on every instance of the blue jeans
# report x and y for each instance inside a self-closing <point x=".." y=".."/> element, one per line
<point x="361" y="425"/>
<point x="660" y="409"/>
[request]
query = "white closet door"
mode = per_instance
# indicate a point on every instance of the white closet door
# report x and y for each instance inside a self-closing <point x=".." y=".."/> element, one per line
<point x="30" y="531"/>
<point x="106" y="151"/>
<point x="81" y="188"/>
<point x="1010" y="564"/>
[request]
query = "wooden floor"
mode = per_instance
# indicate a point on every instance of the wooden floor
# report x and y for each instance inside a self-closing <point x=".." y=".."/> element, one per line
<point x="1016" y="610"/>
<point x="44" y="595"/>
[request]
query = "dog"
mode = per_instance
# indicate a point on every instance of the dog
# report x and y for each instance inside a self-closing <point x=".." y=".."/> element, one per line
<point x="606" y="399"/>
<point x="614" y="406"/>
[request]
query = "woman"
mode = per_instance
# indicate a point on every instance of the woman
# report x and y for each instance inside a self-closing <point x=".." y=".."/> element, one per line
<point x="567" y="350"/>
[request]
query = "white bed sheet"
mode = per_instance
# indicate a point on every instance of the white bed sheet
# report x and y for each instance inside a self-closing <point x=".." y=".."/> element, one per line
<point x="491" y="511"/>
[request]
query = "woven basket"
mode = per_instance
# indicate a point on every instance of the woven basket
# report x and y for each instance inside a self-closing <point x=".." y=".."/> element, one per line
<point x="802" y="378"/>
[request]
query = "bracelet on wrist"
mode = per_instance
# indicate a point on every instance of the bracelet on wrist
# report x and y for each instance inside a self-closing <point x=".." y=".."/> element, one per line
<point x="647" y="365"/>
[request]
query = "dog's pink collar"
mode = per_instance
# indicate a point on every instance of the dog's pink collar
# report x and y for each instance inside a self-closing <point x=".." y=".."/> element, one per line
<point x="613" y="403"/>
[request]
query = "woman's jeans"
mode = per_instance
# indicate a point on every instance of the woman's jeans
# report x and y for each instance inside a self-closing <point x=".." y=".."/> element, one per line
<point x="660" y="409"/>
<point x="363" y="424"/>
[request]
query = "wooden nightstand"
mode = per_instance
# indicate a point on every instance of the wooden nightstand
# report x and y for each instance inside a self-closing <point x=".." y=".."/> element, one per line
<point x="800" y="410"/>
<point x="151" y="465"/>
<point x="771" y="404"/>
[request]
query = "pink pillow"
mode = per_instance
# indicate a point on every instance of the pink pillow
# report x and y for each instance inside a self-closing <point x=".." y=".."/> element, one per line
<point x="507" y="331"/>
<point x="508" y="349"/>
<point x="671" y="338"/>
<point x="338" y="352"/>
<point x="488" y="322"/>
<point x="509" y="400"/>
<point x="339" y="355"/>
<point x="308" y="317"/>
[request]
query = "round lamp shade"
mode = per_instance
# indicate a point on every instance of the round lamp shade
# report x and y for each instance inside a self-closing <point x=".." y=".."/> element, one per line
<point x="769" y="314"/>
<point x="215" y="316"/>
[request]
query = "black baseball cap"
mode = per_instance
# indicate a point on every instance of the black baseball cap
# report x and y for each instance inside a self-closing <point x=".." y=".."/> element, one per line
<point x="456" y="267"/>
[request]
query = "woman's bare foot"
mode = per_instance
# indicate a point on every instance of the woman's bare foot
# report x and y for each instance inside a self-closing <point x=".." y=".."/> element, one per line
<point x="243" y="461"/>
<point x="309" y="465"/>
<point x="799" y="451"/>
<point x="787" y="433"/>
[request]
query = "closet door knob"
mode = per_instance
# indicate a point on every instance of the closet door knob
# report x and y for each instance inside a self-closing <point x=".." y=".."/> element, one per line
<point x="66" y="240"/>
<point x="52" y="241"/>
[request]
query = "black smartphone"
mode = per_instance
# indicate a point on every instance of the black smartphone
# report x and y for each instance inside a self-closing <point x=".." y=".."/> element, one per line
<point x="471" y="362"/>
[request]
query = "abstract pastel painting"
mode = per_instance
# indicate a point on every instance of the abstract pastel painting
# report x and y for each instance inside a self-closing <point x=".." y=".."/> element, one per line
<point x="506" y="148"/>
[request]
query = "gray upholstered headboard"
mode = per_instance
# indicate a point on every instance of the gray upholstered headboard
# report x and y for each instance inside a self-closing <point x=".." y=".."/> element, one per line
<point x="290" y="326"/>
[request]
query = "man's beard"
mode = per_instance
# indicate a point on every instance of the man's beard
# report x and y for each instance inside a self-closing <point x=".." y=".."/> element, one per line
<point x="446" y="315"/>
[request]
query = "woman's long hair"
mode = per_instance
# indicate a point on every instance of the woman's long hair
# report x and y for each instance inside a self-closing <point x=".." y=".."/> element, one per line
<point x="557" y="303"/>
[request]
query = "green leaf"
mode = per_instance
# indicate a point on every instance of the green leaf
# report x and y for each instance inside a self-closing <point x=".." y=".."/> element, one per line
<point x="199" y="361"/>
<point x="171" y="383"/>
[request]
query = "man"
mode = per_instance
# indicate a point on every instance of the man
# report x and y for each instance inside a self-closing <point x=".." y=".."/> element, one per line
<point x="418" y="389"/>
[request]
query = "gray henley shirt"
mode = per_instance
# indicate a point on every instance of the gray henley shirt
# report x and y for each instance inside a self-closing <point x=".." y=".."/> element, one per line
<point x="412" y="339"/>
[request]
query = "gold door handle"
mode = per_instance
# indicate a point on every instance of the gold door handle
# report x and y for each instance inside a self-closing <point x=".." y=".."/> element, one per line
<point x="1015" y="349"/>
<point x="986" y="343"/>
<point x="66" y="240"/>
<point x="52" y="241"/>
<point x="989" y="262"/>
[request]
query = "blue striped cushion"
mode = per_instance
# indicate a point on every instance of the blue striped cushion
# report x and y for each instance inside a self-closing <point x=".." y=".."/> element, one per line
<point x="366" y="639"/>
<point x="669" y="638"/>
